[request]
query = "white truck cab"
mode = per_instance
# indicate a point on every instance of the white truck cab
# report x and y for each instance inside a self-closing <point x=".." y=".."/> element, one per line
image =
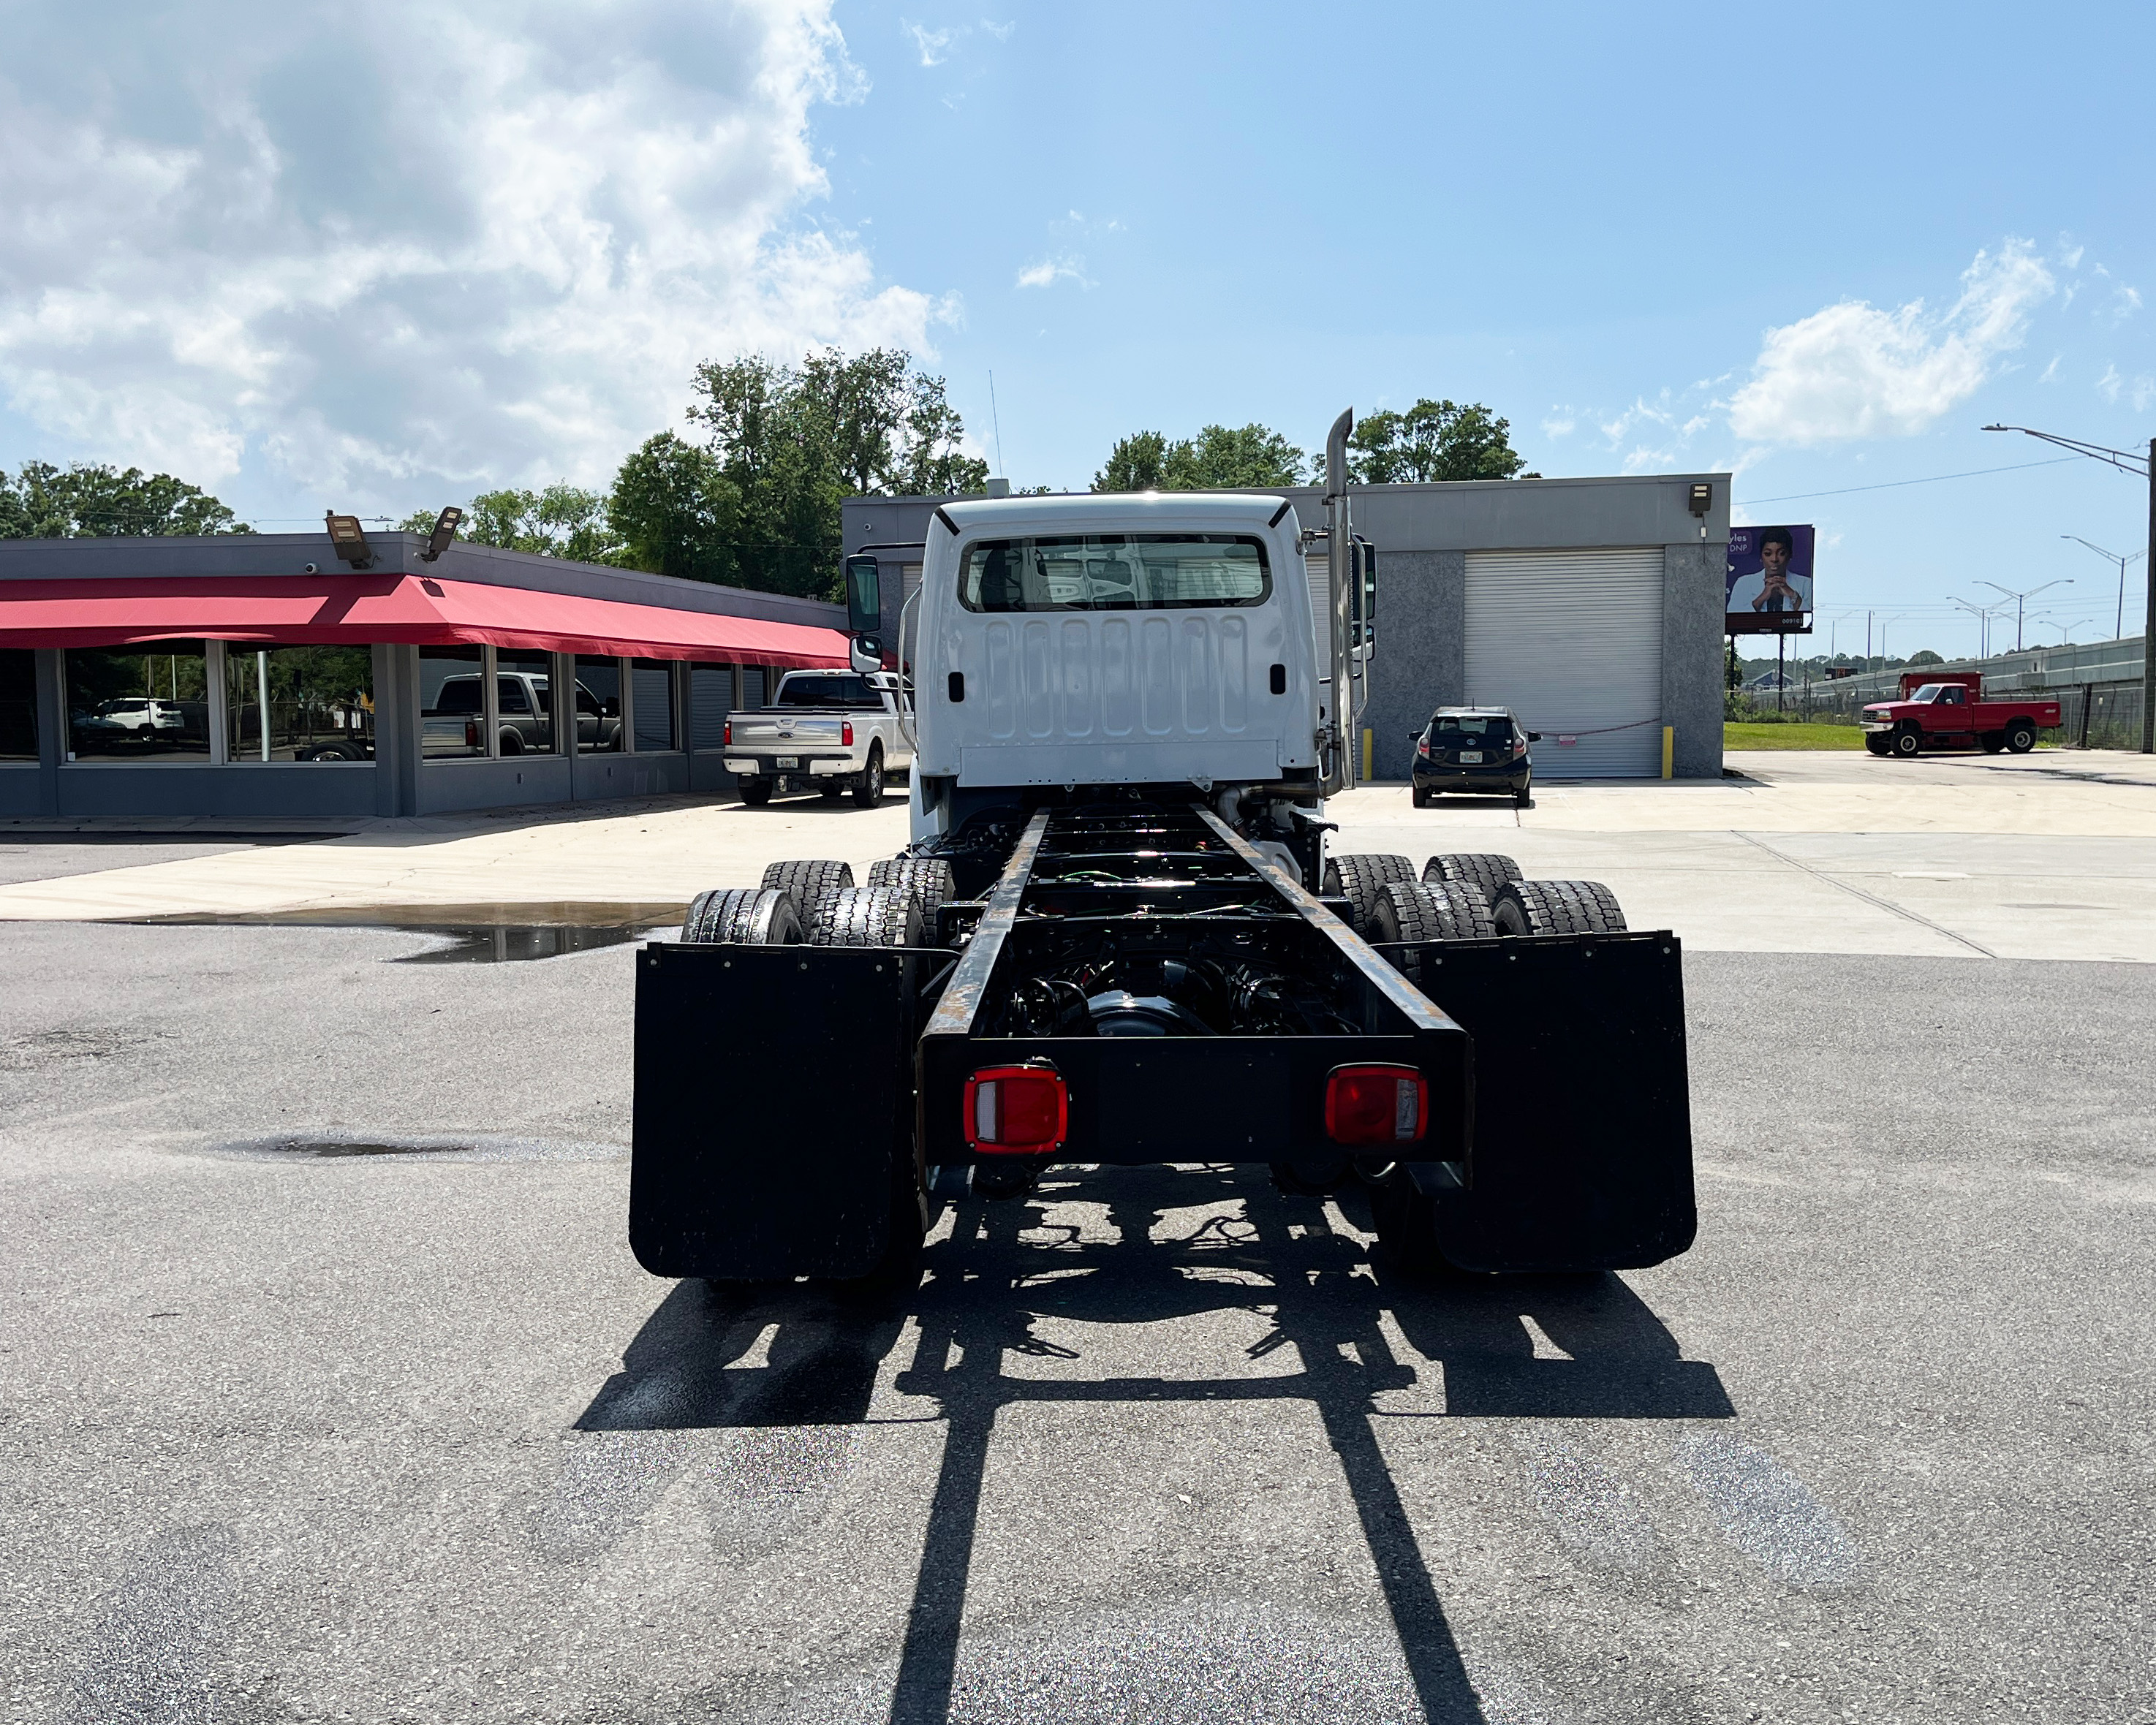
<point x="1162" y="639"/>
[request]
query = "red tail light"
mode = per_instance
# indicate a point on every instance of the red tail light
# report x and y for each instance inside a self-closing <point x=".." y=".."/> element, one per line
<point x="1422" y="745"/>
<point x="726" y="740"/>
<point x="1017" y="1111"/>
<point x="471" y="733"/>
<point x="1376" y="1105"/>
<point x="846" y="736"/>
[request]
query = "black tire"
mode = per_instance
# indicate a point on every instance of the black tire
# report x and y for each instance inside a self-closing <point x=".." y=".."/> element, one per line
<point x="1359" y="880"/>
<point x="754" y="792"/>
<point x="1417" y="911"/>
<point x="1432" y="911"/>
<point x="1488" y="871"/>
<point x="1556" y="907"/>
<point x="1422" y="798"/>
<point x="1908" y="742"/>
<point x="813" y="886"/>
<point x="742" y="916"/>
<point x="1877" y="743"/>
<point x="1524" y="797"/>
<point x="868" y="784"/>
<point x="512" y="742"/>
<point x="1993" y="742"/>
<point x="928" y="878"/>
<point x="2020" y="737"/>
<point x="869" y="916"/>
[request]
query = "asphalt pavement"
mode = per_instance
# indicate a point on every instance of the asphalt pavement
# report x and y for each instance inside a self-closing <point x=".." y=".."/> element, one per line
<point x="331" y="1390"/>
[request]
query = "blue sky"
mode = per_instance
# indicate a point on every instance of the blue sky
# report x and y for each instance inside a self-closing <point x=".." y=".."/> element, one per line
<point x="387" y="256"/>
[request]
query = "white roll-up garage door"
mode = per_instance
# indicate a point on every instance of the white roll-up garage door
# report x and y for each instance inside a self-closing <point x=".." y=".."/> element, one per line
<point x="1572" y="641"/>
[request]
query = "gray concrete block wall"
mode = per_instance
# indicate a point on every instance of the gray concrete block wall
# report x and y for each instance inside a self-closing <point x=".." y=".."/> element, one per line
<point x="1422" y="650"/>
<point x="1693" y="595"/>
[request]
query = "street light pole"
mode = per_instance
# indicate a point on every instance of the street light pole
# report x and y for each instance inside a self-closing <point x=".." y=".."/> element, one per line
<point x="2143" y="467"/>
<point x="2021" y="599"/>
<point x="2118" y="629"/>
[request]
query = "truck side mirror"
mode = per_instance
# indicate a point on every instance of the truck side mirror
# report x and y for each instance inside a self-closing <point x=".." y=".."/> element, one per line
<point x="864" y="597"/>
<point x="1365" y="597"/>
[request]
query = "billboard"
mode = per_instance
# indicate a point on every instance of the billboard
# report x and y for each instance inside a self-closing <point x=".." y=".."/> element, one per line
<point x="1768" y="582"/>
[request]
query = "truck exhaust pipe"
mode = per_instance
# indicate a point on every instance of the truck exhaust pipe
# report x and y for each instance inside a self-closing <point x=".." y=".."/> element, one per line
<point x="1340" y="574"/>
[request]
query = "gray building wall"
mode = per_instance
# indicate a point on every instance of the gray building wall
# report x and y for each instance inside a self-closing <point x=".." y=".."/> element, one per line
<point x="1424" y="533"/>
<point x="398" y="781"/>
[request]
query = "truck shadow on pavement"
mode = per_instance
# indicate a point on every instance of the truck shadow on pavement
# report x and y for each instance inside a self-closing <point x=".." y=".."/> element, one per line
<point x="1008" y="1268"/>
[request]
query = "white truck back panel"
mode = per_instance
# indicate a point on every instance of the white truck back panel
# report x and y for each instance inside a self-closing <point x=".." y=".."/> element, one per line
<point x="1061" y="696"/>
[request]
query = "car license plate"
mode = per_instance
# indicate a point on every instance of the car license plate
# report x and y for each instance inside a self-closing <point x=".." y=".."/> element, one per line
<point x="1470" y="758"/>
<point x="786" y="761"/>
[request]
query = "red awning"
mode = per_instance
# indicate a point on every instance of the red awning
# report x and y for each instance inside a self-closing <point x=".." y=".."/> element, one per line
<point x="416" y="610"/>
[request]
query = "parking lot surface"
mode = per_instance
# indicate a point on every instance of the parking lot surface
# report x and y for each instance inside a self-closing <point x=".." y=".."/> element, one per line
<point x="332" y="1391"/>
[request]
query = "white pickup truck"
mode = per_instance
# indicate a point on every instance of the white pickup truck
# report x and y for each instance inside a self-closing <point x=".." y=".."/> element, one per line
<point x="835" y="730"/>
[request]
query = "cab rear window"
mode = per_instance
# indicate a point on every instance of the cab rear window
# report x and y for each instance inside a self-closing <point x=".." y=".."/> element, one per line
<point x="1115" y="572"/>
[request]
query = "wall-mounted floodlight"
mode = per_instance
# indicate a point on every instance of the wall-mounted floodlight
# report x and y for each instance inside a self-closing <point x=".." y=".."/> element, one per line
<point x="445" y="531"/>
<point x="348" y="539"/>
<point x="1701" y="499"/>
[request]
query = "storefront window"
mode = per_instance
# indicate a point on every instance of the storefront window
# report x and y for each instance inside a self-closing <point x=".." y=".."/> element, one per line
<point x="451" y="703"/>
<point x="711" y="699"/>
<point x="651" y="686"/>
<point x="18" y="704"/>
<point x="320" y="700"/>
<point x="138" y="705"/>
<point x="524" y="700"/>
<point x="598" y="706"/>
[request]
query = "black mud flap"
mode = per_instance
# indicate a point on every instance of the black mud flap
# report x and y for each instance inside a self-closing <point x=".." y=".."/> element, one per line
<point x="1582" y="1140"/>
<point x="773" y="1109"/>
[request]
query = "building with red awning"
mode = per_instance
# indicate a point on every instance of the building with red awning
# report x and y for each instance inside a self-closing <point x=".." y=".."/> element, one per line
<point x="257" y="675"/>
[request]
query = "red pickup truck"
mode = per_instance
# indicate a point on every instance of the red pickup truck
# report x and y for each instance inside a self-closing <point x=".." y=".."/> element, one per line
<point x="1946" y="709"/>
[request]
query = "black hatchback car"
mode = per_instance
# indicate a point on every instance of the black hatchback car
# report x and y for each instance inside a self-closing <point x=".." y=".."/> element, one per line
<point x="1473" y="748"/>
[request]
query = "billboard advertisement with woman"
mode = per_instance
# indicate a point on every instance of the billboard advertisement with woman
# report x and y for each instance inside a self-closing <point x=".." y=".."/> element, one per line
<point x="1769" y="581"/>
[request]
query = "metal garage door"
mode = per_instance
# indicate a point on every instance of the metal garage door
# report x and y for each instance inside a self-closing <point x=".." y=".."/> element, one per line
<point x="1572" y="641"/>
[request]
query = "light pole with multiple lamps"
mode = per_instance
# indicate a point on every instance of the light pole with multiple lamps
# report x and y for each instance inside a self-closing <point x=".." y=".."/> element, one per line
<point x="2021" y="599"/>
<point x="2143" y="467"/>
<point x="2118" y="629"/>
<point x="1983" y="614"/>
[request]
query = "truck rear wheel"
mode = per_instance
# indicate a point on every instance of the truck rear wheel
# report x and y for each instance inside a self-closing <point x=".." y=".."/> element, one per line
<point x="868" y="784"/>
<point x="1359" y="880"/>
<point x="741" y="916"/>
<point x="1406" y="1222"/>
<point x="928" y="878"/>
<point x="813" y="886"/>
<point x="1908" y="742"/>
<point x="2020" y="736"/>
<point x="1556" y="907"/>
<point x="1487" y="871"/>
<point x="869" y="916"/>
<point x="754" y="792"/>
<point x="1420" y="911"/>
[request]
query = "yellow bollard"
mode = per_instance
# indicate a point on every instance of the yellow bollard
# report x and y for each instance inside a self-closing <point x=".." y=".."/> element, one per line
<point x="1669" y="750"/>
<point x="1368" y="742"/>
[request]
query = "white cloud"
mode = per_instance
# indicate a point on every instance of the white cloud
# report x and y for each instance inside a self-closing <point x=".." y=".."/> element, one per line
<point x="2144" y="391"/>
<point x="934" y="46"/>
<point x="2110" y="384"/>
<point x="1852" y="370"/>
<point x="1050" y="271"/>
<point x="2051" y="371"/>
<point x="2125" y="301"/>
<point x="495" y="259"/>
<point x="1562" y="421"/>
<point x="1002" y="32"/>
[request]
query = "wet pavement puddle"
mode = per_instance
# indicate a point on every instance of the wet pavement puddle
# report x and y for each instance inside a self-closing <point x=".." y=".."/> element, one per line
<point x="474" y="934"/>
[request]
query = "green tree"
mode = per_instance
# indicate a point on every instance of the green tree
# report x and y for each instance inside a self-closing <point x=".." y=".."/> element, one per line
<point x="82" y="501"/>
<point x="562" y="520"/>
<point x="793" y="442"/>
<point x="674" y="511"/>
<point x="1433" y="441"/>
<point x="1134" y="464"/>
<point x="1220" y="457"/>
